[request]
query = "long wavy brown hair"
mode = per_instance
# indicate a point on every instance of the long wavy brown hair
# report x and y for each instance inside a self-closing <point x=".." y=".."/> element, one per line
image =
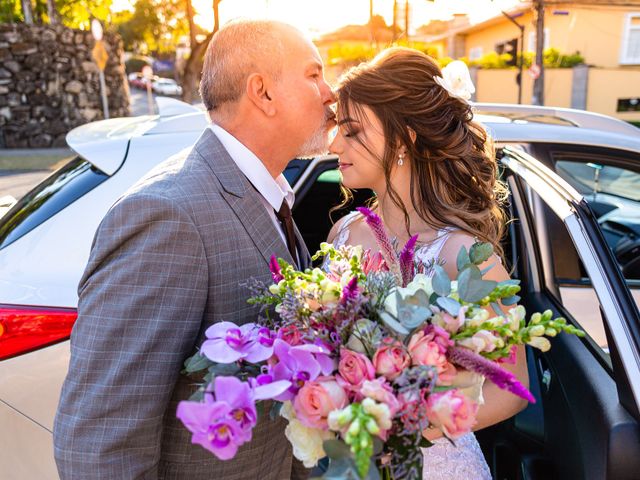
<point x="453" y="168"/>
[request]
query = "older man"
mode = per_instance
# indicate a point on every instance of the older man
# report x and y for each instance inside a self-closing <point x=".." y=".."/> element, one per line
<point x="170" y="258"/>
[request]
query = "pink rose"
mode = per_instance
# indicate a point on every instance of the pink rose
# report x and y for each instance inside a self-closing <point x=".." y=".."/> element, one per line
<point x="429" y="347"/>
<point x="450" y="323"/>
<point x="354" y="368"/>
<point x="452" y="412"/>
<point x="317" y="399"/>
<point x="291" y="335"/>
<point x="380" y="391"/>
<point x="391" y="359"/>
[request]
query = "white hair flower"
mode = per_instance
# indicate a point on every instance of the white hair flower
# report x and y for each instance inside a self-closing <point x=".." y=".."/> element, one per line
<point x="456" y="80"/>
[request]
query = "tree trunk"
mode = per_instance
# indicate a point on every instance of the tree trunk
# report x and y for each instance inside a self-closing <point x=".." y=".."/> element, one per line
<point x="52" y="12"/>
<point x="27" y="11"/>
<point x="538" y="85"/>
<point x="193" y="67"/>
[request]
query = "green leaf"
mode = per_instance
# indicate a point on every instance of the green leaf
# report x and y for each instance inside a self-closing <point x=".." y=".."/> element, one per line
<point x="425" y="443"/>
<point x="196" y="363"/>
<point x="224" y="369"/>
<point x="510" y="300"/>
<point x="463" y="258"/>
<point x="484" y="271"/>
<point x="373" y="473"/>
<point x="393" y="324"/>
<point x="480" y="252"/>
<point x="450" y="305"/>
<point x="433" y="298"/>
<point x="274" y="412"/>
<point x="496" y="308"/>
<point x="441" y="281"/>
<point x="336" y="449"/>
<point x="341" y="469"/>
<point x="197" y="396"/>
<point x="471" y="287"/>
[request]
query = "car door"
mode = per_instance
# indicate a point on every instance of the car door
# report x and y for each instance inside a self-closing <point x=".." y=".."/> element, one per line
<point x="585" y="421"/>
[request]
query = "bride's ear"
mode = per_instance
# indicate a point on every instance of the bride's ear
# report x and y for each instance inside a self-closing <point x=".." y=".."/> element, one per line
<point x="412" y="134"/>
<point x="258" y="87"/>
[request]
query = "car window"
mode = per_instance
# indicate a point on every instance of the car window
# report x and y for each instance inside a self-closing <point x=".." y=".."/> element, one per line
<point x="56" y="192"/>
<point x="564" y="273"/>
<point x="611" y="186"/>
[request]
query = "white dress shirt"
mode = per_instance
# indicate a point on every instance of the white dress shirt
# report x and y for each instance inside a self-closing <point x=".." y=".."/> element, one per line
<point x="272" y="191"/>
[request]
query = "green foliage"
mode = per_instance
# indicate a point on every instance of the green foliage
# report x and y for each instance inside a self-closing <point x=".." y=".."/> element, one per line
<point x="350" y="53"/>
<point x="492" y="60"/>
<point x="79" y="13"/>
<point x="135" y="64"/>
<point x="10" y="11"/>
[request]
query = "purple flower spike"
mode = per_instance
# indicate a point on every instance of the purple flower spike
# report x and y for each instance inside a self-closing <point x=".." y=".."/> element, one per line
<point x="274" y="266"/>
<point x="491" y="370"/>
<point x="350" y="291"/>
<point x="382" y="239"/>
<point x="406" y="260"/>
<point x="224" y="420"/>
<point x="227" y="343"/>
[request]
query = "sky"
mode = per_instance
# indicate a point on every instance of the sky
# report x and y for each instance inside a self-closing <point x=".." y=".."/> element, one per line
<point x="322" y="16"/>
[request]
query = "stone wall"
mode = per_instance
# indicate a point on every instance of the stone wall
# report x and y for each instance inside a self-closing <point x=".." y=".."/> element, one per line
<point x="50" y="84"/>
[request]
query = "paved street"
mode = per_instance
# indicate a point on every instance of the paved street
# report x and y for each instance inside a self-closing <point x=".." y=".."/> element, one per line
<point x="17" y="183"/>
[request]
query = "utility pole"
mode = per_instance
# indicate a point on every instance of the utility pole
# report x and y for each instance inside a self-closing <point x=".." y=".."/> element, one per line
<point x="394" y="27"/>
<point x="371" y="32"/>
<point x="406" y="20"/>
<point x="538" y="85"/>
<point x="27" y="11"/>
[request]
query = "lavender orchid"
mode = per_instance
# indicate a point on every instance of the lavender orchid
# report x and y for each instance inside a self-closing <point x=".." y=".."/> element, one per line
<point x="227" y="342"/>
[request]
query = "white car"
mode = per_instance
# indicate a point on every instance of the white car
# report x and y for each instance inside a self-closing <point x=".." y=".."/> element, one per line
<point x="166" y="86"/>
<point x="586" y="422"/>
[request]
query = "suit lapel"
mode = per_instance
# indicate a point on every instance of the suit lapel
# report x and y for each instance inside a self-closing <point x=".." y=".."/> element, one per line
<point x="243" y="199"/>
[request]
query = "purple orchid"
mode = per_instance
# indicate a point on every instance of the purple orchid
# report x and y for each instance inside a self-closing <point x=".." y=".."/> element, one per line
<point x="379" y="232"/>
<point x="406" y="260"/>
<point x="274" y="266"/>
<point x="227" y="343"/>
<point x="224" y="420"/>
<point x="265" y="387"/>
<point x="491" y="370"/>
<point x="298" y="365"/>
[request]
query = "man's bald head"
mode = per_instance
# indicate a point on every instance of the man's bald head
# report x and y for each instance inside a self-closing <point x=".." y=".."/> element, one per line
<point x="237" y="50"/>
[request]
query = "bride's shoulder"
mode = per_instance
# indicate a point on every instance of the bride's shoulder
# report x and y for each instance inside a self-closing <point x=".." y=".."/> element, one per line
<point x="342" y="226"/>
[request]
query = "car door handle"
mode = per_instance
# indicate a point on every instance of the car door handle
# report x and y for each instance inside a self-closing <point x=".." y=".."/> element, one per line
<point x="545" y="375"/>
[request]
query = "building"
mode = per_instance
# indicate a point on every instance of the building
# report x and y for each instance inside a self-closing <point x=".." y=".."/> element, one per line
<point x="605" y="33"/>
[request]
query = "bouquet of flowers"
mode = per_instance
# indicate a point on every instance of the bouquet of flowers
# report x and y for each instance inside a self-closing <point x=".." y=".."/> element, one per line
<point x="362" y="356"/>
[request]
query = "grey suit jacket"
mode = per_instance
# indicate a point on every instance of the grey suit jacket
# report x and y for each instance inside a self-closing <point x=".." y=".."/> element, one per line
<point x="167" y="261"/>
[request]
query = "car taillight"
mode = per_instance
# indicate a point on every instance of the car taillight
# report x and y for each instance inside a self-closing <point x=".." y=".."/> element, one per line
<point x="24" y="328"/>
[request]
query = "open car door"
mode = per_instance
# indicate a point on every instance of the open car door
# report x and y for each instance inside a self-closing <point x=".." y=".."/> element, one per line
<point x="585" y="424"/>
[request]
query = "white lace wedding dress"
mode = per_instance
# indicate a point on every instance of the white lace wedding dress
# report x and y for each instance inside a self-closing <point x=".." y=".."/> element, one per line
<point x="442" y="461"/>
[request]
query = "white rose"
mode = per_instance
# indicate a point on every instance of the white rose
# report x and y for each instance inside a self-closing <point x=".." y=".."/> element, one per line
<point x="470" y="384"/>
<point x="306" y="442"/>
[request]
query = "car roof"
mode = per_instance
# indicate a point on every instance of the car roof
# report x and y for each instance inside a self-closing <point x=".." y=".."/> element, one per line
<point x="104" y="143"/>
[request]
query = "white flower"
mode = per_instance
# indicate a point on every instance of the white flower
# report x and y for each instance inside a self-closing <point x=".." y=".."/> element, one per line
<point x="456" y="79"/>
<point x="470" y="384"/>
<point x="379" y="411"/>
<point x="540" y="343"/>
<point x="366" y="332"/>
<point x="419" y="282"/>
<point x="306" y="442"/>
<point x="515" y="315"/>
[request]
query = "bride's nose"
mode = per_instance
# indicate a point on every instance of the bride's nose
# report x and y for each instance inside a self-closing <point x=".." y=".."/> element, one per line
<point x="334" y="146"/>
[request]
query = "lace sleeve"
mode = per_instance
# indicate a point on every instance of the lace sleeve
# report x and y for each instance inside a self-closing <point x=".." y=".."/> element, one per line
<point x="343" y="229"/>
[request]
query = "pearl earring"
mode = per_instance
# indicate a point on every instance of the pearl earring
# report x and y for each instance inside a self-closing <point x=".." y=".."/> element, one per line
<point x="401" y="159"/>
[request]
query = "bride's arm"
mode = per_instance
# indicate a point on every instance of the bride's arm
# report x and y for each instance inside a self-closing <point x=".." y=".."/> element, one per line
<point x="498" y="404"/>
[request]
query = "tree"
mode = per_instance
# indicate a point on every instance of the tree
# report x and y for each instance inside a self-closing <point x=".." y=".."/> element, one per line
<point x="27" y="12"/>
<point x="52" y="12"/>
<point x="193" y="67"/>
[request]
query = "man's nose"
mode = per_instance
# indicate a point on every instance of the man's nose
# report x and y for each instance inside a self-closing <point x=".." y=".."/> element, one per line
<point x="330" y="96"/>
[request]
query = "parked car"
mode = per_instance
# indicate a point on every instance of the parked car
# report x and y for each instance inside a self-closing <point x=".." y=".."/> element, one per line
<point x="166" y="86"/>
<point x="574" y="245"/>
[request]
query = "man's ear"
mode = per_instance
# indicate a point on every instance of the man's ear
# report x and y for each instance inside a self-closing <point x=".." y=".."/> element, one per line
<point x="258" y="87"/>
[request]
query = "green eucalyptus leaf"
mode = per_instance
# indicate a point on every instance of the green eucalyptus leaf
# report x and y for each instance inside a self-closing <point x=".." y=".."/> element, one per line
<point x="412" y="316"/>
<point x="480" y="252"/>
<point x="341" y="469"/>
<point x="373" y="473"/>
<point x="196" y="363"/>
<point x="274" y="412"/>
<point x="498" y="309"/>
<point x="441" y="282"/>
<point x="393" y="324"/>
<point x="433" y="298"/>
<point x="450" y="305"/>
<point x="463" y="258"/>
<point x="336" y="449"/>
<point x="224" y="369"/>
<point x="471" y="287"/>
<point x="484" y="271"/>
<point x="378" y="445"/>
<point x="197" y="396"/>
<point x="509" y="282"/>
<point x="510" y="300"/>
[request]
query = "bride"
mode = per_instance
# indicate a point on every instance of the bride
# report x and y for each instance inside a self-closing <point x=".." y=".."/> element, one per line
<point x="407" y="133"/>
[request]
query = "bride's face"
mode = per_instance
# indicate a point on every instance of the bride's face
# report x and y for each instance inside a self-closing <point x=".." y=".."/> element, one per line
<point x="359" y="144"/>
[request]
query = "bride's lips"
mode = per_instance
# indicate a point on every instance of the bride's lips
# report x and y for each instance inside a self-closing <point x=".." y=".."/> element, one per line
<point x="344" y="166"/>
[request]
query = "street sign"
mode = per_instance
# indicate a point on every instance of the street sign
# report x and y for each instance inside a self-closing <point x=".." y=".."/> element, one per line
<point x="534" y="71"/>
<point x="100" y="55"/>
